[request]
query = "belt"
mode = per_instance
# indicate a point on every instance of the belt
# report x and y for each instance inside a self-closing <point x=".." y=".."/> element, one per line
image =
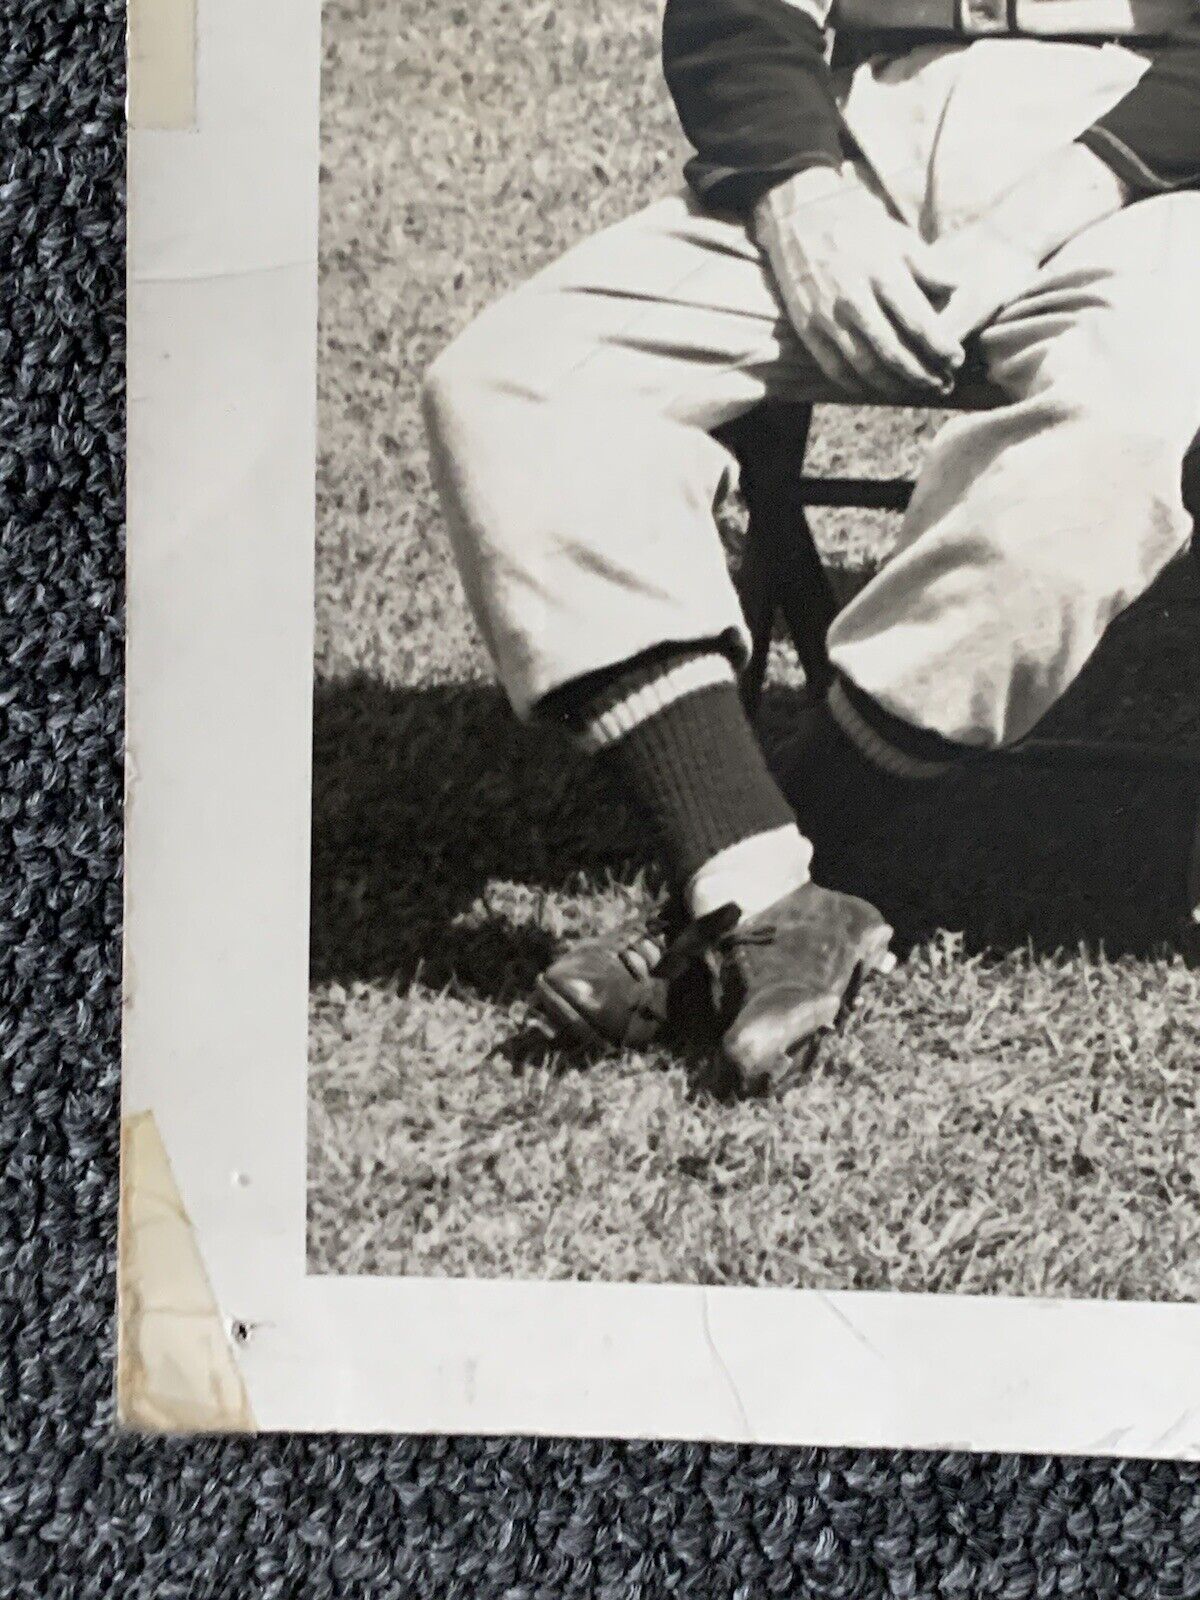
<point x="974" y="19"/>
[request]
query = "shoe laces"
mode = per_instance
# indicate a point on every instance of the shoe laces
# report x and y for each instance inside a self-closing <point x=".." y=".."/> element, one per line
<point x="646" y="945"/>
<point x="719" y="930"/>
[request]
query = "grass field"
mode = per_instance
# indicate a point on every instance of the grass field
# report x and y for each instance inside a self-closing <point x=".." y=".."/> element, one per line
<point x="1013" y="1109"/>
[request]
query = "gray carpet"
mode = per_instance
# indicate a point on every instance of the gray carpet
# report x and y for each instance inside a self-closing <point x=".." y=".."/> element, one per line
<point x="84" y="1514"/>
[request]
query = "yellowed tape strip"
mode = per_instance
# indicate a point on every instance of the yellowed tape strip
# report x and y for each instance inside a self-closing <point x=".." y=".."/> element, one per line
<point x="175" y="1367"/>
<point x="162" y="63"/>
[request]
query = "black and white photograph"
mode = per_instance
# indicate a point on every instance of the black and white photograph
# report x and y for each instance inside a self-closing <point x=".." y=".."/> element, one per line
<point x="662" y="733"/>
<point x="756" y="707"/>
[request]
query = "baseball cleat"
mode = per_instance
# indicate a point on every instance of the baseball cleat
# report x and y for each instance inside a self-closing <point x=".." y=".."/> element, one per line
<point x="783" y="978"/>
<point x="775" y="983"/>
<point x="605" y="990"/>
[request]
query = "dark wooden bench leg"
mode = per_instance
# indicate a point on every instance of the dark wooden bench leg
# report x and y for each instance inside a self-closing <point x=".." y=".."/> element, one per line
<point x="757" y="586"/>
<point x="781" y="568"/>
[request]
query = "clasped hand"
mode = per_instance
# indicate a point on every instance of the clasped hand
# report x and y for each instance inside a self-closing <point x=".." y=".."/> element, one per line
<point x="880" y="310"/>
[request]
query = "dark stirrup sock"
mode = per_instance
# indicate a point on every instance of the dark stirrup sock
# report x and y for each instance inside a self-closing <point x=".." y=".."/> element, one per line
<point x="895" y="746"/>
<point x="672" y="727"/>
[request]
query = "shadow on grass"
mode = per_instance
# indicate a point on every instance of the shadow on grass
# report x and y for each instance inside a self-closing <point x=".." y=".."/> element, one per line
<point x="423" y="798"/>
<point x="1048" y="860"/>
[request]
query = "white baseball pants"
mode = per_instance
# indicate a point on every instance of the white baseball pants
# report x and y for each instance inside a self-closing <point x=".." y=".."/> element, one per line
<point x="570" y="423"/>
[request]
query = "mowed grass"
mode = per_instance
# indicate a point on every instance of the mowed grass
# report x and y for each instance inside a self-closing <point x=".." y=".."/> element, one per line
<point x="1013" y="1109"/>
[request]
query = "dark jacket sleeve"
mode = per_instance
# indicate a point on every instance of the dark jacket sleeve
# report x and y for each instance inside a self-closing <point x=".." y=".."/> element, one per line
<point x="1151" y="138"/>
<point x="754" y="93"/>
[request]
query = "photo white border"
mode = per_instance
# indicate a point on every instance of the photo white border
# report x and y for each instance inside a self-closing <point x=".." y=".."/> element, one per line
<point x="223" y="300"/>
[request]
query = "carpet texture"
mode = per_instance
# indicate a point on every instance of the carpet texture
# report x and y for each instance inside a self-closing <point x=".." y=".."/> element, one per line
<point x="85" y="1514"/>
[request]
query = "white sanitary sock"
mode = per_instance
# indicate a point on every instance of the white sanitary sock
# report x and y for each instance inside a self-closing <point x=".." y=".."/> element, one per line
<point x="753" y="873"/>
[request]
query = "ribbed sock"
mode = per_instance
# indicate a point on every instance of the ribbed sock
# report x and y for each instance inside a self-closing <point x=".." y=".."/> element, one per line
<point x="894" y="746"/>
<point x="672" y="728"/>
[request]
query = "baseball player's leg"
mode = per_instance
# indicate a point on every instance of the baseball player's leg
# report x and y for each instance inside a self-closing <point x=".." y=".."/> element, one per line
<point x="1035" y="524"/>
<point x="570" y="430"/>
<point x="570" y="433"/>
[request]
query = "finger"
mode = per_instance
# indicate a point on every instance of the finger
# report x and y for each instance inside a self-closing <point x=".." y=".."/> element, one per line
<point x="866" y="373"/>
<point x="852" y="369"/>
<point x="919" y="322"/>
<point x="966" y="312"/>
<point x="834" y="365"/>
<point x="877" y="336"/>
